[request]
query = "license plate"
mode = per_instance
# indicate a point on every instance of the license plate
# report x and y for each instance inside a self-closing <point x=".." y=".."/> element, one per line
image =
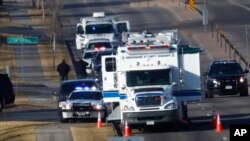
<point x="83" y="113"/>
<point x="228" y="87"/>
<point x="151" y="122"/>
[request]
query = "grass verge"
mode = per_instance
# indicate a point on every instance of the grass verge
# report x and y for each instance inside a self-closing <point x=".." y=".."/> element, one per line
<point x="19" y="131"/>
<point x="91" y="133"/>
<point x="46" y="57"/>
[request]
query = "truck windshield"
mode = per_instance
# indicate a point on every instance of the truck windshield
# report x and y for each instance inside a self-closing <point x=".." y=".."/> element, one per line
<point x="99" y="29"/>
<point x="149" y="77"/>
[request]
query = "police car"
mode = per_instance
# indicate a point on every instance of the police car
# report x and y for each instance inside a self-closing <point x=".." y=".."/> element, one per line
<point x="225" y="77"/>
<point x="83" y="104"/>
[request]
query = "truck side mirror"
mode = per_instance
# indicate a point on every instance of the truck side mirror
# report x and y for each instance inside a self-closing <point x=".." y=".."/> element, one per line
<point x="80" y="29"/>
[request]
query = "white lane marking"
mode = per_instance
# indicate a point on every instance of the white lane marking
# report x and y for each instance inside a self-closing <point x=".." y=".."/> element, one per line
<point x="238" y="4"/>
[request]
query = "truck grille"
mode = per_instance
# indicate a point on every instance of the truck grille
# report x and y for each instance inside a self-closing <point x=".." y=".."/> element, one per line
<point x="81" y="106"/>
<point x="152" y="100"/>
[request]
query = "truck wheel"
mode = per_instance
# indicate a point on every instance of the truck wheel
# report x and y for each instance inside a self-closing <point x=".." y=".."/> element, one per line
<point x="244" y="91"/>
<point x="209" y="95"/>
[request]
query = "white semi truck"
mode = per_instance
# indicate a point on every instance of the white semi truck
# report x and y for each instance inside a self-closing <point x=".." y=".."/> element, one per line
<point x="99" y="26"/>
<point x="152" y="78"/>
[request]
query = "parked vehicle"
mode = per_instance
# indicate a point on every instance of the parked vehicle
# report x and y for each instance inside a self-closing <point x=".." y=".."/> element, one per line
<point x="7" y="95"/>
<point x="88" y="56"/>
<point x="99" y="26"/>
<point x="66" y="87"/>
<point x="151" y="79"/>
<point x="82" y="104"/>
<point x="225" y="77"/>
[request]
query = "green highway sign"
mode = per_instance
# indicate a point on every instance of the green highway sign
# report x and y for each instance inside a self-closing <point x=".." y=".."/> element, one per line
<point x="22" y="40"/>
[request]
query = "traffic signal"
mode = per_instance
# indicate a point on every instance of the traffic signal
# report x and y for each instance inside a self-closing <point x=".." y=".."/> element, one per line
<point x="191" y="5"/>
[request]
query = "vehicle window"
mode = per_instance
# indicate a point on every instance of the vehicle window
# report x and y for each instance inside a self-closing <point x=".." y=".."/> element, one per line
<point x="110" y="64"/>
<point x="92" y="46"/>
<point x="86" y="95"/>
<point x="99" y="29"/>
<point x="89" y="55"/>
<point x="80" y="29"/>
<point x="122" y="27"/>
<point x="226" y="69"/>
<point x="149" y="77"/>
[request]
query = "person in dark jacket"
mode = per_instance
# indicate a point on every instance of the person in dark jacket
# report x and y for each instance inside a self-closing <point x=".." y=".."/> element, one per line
<point x="80" y="68"/>
<point x="63" y="69"/>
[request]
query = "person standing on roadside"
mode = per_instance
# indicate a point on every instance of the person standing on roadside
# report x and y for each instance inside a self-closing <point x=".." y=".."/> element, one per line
<point x="63" y="69"/>
<point x="80" y="67"/>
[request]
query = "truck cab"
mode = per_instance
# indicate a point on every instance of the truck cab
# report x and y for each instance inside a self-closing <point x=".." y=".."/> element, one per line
<point x="151" y="77"/>
<point x="99" y="26"/>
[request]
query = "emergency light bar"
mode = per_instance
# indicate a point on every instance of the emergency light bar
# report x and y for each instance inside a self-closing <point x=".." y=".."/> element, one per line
<point x="133" y="48"/>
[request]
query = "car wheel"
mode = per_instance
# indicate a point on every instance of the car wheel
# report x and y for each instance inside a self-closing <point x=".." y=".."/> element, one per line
<point x="244" y="91"/>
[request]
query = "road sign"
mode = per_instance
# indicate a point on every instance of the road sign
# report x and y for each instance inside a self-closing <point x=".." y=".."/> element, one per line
<point x="191" y="5"/>
<point x="22" y="40"/>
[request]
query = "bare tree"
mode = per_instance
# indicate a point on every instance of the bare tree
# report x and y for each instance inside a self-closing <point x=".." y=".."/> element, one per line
<point x="54" y="7"/>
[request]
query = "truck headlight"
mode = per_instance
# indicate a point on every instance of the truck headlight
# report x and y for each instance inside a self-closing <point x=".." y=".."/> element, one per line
<point x="68" y="106"/>
<point x="93" y="88"/>
<point x="215" y="81"/>
<point x="98" y="107"/>
<point x="171" y="105"/>
<point x="127" y="108"/>
<point x="241" y="79"/>
<point x="65" y="106"/>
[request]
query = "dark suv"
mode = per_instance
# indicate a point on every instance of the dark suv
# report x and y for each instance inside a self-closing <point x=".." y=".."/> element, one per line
<point x="7" y="95"/>
<point x="225" y="77"/>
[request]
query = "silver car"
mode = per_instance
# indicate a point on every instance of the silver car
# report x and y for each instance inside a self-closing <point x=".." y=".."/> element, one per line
<point x="88" y="56"/>
<point x="83" y="104"/>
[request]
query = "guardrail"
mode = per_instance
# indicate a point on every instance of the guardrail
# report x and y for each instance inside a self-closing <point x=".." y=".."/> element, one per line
<point x="229" y="47"/>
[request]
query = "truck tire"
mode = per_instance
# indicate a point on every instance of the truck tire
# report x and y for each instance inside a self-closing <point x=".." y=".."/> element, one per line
<point x="244" y="91"/>
<point x="209" y="95"/>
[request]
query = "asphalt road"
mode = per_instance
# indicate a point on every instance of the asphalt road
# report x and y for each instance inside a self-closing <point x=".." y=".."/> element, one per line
<point x="233" y="109"/>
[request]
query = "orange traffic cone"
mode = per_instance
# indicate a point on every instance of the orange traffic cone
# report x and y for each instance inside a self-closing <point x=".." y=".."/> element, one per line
<point x="218" y="124"/>
<point x="127" y="131"/>
<point x="214" y="118"/>
<point x="99" y="121"/>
